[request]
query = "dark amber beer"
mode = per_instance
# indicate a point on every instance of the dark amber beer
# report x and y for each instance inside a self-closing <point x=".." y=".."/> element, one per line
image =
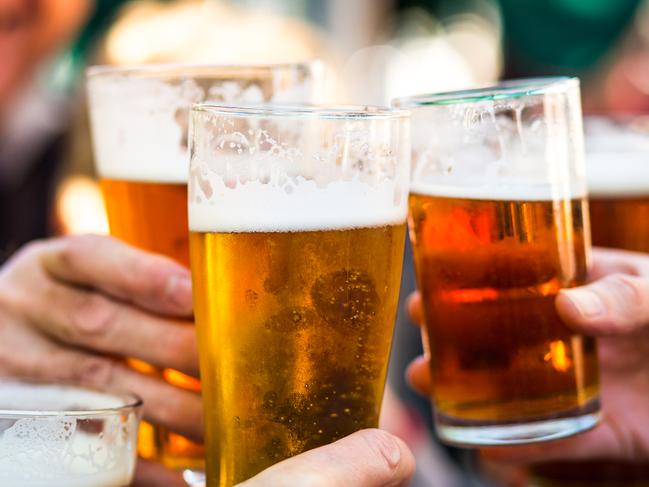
<point x="297" y="227"/>
<point x="489" y="272"/>
<point x="499" y="225"/>
<point x="139" y="122"/>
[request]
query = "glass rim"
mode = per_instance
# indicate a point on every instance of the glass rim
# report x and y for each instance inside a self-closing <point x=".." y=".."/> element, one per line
<point x="303" y="111"/>
<point x="514" y="88"/>
<point x="190" y="69"/>
<point x="131" y="401"/>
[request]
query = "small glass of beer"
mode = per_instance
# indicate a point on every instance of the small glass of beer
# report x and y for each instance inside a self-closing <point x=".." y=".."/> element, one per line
<point x="499" y="225"/>
<point x="139" y="118"/>
<point x="58" y="435"/>
<point x="297" y="220"/>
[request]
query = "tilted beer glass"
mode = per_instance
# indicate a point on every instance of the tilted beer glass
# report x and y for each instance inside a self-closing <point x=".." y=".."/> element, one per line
<point x="297" y="222"/>
<point x="499" y="225"/>
<point x="139" y="118"/>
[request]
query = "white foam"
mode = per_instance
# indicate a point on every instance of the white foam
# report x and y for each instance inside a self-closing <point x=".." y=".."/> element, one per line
<point x="139" y="124"/>
<point x="52" y="465"/>
<point x="502" y="192"/>
<point x="24" y="396"/>
<point x="52" y="450"/>
<point x="617" y="157"/>
<point x="298" y="206"/>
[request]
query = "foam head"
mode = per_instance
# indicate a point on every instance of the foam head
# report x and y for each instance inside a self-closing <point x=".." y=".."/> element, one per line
<point x="139" y="116"/>
<point x="308" y="169"/>
<point x="617" y="157"/>
<point x="518" y="139"/>
<point x="62" y="436"/>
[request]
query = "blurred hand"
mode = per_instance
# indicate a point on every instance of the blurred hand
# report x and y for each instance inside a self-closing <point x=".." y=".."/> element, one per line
<point x="368" y="458"/>
<point x="71" y="309"/>
<point x="615" y="308"/>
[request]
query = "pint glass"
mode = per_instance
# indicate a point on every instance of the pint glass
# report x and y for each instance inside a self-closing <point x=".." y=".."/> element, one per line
<point x="139" y="119"/>
<point x="499" y="224"/>
<point x="297" y="222"/>
<point x="617" y="167"/>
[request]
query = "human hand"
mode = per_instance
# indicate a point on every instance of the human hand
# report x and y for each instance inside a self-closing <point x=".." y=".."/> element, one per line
<point x="614" y="307"/>
<point x="71" y="309"/>
<point x="367" y="458"/>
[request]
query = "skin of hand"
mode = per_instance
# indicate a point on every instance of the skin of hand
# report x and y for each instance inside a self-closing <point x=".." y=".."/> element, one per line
<point x="71" y="309"/>
<point x="367" y="458"/>
<point x="614" y="307"/>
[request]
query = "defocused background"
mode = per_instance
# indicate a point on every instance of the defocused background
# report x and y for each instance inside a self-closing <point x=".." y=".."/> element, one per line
<point x="376" y="50"/>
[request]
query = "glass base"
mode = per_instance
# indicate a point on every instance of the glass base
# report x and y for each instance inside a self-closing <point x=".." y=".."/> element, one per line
<point x="476" y="434"/>
<point x="194" y="478"/>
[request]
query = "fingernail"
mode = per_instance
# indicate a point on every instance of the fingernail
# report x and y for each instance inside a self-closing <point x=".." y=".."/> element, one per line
<point x="587" y="302"/>
<point x="180" y="291"/>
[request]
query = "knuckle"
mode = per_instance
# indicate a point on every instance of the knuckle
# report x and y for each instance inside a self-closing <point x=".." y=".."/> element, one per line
<point x="385" y="449"/>
<point x="92" y="316"/>
<point x="630" y="290"/>
<point x="96" y="371"/>
<point x="75" y="246"/>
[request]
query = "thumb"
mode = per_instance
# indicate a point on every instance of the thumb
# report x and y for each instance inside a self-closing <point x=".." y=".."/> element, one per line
<point x="615" y="304"/>
<point x="367" y="458"/>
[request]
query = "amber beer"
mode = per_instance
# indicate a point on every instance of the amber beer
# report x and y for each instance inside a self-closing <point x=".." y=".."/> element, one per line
<point x="618" y="182"/>
<point x="296" y="329"/>
<point x="489" y="270"/>
<point x="153" y="216"/>
<point x="139" y="119"/>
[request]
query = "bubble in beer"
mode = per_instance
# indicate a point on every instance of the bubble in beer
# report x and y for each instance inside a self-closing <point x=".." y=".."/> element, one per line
<point x="345" y="298"/>
<point x="291" y="319"/>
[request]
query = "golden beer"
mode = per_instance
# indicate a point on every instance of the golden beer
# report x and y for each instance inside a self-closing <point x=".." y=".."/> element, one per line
<point x="294" y="333"/>
<point x="297" y="220"/>
<point x="489" y="272"/>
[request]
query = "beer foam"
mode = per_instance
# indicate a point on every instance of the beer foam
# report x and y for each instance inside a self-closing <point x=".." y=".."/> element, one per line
<point x="53" y="450"/>
<point x="18" y="396"/>
<point x="617" y="174"/>
<point x="139" y="122"/>
<point x="503" y="192"/>
<point x="300" y="205"/>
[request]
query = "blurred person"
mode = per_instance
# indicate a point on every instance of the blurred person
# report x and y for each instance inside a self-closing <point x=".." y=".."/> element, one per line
<point x="34" y="114"/>
<point x="614" y="307"/>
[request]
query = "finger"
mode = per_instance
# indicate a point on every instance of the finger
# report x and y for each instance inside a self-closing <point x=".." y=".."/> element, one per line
<point x="151" y="474"/>
<point x="176" y="409"/>
<point x="151" y="281"/>
<point x="415" y="309"/>
<point x="615" y="304"/>
<point x="91" y="320"/>
<point x="612" y="261"/>
<point x="367" y="458"/>
<point x="418" y="376"/>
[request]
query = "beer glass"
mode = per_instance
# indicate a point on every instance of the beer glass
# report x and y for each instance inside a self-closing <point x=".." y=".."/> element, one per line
<point x="297" y="221"/>
<point x="499" y="224"/>
<point x="54" y="435"/>
<point x="617" y="170"/>
<point x="618" y="181"/>
<point x="139" y="118"/>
